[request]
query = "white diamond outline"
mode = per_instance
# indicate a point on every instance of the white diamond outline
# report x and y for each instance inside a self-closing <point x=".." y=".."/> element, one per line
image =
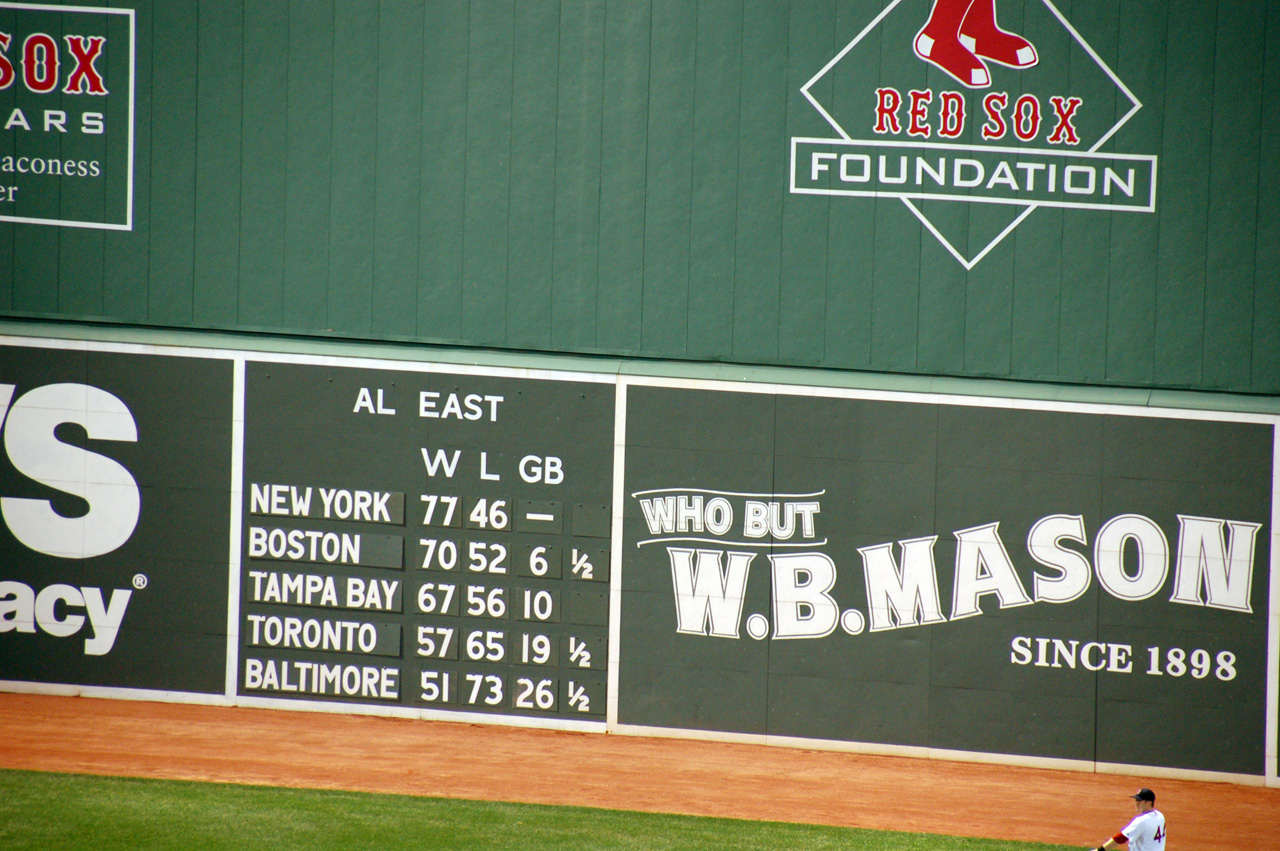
<point x="968" y="264"/>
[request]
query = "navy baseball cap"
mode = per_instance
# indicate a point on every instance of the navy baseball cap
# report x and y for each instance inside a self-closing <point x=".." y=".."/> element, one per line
<point x="1144" y="795"/>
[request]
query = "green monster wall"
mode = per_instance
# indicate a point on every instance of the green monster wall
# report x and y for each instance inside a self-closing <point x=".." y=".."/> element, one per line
<point x="1087" y="586"/>
<point x="618" y="178"/>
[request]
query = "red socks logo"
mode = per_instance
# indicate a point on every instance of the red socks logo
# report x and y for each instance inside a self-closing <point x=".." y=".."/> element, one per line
<point x="960" y="34"/>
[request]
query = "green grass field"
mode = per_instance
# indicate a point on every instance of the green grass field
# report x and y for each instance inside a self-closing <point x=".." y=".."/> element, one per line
<point x="70" y="812"/>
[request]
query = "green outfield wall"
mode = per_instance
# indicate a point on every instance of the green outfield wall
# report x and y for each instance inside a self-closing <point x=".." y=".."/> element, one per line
<point x="894" y="376"/>
<point x="1085" y="583"/>
<point x="764" y="183"/>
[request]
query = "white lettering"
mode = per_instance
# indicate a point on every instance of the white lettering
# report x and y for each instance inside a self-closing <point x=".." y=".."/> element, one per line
<point x="983" y="567"/>
<point x="22" y="609"/>
<point x="1075" y="572"/>
<point x="819" y="164"/>
<point x="709" y="596"/>
<point x="906" y="595"/>
<point x="1152" y="562"/>
<point x="35" y="451"/>
<point x="470" y="407"/>
<point x="1208" y="565"/>
<point x="802" y="606"/>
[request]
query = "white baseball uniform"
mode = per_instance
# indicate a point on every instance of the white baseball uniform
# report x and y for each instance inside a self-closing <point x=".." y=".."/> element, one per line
<point x="1146" y="831"/>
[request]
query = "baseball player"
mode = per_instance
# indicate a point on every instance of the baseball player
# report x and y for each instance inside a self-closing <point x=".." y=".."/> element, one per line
<point x="1146" y="832"/>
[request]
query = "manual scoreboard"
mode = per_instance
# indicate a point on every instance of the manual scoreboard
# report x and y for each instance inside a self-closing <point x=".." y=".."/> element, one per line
<point x="426" y="539"/>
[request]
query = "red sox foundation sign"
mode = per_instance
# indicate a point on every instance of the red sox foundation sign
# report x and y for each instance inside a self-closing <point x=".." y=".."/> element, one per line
<point x="66" y="116"/>
<point x="1003" y="125"/>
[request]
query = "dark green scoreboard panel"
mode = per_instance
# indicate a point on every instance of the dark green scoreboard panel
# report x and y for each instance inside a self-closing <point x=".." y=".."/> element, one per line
<point x="426" y="539"/>
<point x="897" y="572"/>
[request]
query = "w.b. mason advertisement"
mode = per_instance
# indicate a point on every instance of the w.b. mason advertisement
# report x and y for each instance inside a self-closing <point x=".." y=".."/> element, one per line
<point x="1084" y="586"/>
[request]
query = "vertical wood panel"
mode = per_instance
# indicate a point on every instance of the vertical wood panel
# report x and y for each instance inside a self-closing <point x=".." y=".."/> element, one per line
<point x="1038" y="264"/>
<point x="946" y="297"/>
<point x="805" y="217"/>
<point x="126" y="271"/>
<point x="895" y="296"/>
<point x="1037" y="295"/>
<point x="533" y="162"/>
<point x="444" y="115"/>
<point x="81" y="261"/>
<point x="762" y="144"/>
<point x="669" y="176"/>
<point x="623" y="163"/>
<point x="80" y="271"/>
<point x="117" y="158"/>
<point x="308" y="165"/>
<point x="851" y="229"/>
<point x="220" y="58"/>
<point x="487" y="202"/>
<point x="988" y="307"/>
<point x="577" y="188"/>
<point x="1265" y="377"/>
<point x="988" y="288"/>
<point x="947" y="292"/>
<point x="398" y="182"/>
<point x="1184" y="192"/>
<point x="1134" y="236"/>
<point x="1233" y="200"/>
<point x="36" y="272"/>
<point x="263" y="165"/>
<point x="717" y="110"/>
<point x="958" y="314"/>
<point x="1086" y="234"/>
<point x="35" y="269"/>
<point x="353" y="172"/>
<point x="173" y="166"/>
<point x="81" y="250"/>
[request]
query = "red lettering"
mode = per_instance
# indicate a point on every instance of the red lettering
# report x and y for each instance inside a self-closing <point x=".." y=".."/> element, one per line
<point x="888" y="102"/>
<point x="1026" y="113"/>
<point x="40" y="63"/>
<point x="952" y="117"/>
<point x="919" y="113"/>
<point x="6" y="67"/>
<point x="85" y="79"/>
<point x="994" y="105"/>
<point x="1064" y="131"/>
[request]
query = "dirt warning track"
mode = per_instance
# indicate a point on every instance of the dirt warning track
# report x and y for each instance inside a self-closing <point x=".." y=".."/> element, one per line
<point x="454" y="760"/>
